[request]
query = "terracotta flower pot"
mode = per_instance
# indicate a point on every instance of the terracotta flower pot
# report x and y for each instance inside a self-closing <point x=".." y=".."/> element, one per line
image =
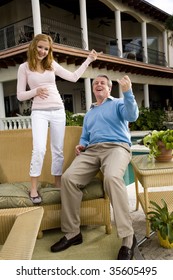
<point x="166" y="155"/>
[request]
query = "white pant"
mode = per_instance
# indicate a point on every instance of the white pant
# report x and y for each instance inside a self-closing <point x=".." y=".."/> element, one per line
<point x="40" y="120"/>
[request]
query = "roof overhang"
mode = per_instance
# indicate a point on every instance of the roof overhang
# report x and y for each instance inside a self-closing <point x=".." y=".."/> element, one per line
<point x="17" y="55"/>
<point x="147" y="8"/>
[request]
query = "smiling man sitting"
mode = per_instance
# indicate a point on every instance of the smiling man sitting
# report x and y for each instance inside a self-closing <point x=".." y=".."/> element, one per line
<point x="104" y="145"/>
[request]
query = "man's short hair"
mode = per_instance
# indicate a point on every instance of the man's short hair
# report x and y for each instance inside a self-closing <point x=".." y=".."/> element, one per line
<point x="104" y="76"/>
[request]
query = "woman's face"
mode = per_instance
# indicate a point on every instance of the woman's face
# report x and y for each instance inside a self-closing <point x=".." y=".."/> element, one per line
<point x="42" y="49"/>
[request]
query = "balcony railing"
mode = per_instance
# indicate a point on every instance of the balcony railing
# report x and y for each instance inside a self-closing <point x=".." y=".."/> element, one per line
<point x="20" y="122"/>
<point x="24" y="122"/>
<point x="22" y="32"/>
<point x="156" y="57"/>
<point x="134" y="51"/>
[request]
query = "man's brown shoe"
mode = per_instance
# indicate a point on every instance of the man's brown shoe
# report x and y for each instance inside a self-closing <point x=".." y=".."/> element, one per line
<point x="125" y="253"/>
<point x="64" y="243"/>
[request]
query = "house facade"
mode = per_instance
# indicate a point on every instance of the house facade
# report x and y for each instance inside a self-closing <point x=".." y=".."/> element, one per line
<point x="131" y="35"/>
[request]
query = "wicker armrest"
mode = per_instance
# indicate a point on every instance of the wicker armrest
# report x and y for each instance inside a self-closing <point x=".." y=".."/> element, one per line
<point x="20" y="242"/>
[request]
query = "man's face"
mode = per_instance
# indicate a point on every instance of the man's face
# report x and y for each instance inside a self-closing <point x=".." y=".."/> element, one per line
<point x="100" y="88"/>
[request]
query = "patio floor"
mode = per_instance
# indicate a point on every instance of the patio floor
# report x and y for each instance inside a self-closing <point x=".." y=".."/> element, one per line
<point x="150" y="248"/>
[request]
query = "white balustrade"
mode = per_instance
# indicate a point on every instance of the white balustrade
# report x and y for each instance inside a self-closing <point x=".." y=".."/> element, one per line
<point x="20" y="122"/>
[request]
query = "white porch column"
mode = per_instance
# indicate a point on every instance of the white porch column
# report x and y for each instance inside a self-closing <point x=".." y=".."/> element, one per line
<point x="118" y="32"/>
<point x="144" y="40"/>
<point x="83" y="21"/>
<point x="2" y="105"/>
<point x="165" y="45"/>
<point x="36" y="16"/>
<point x="88" y="95"/>
<point x="146" y="96"/>
<point x="85" y="45"/>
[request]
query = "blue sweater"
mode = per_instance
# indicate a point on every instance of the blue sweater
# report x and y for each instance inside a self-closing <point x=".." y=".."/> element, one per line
<point x="109" y="122"/>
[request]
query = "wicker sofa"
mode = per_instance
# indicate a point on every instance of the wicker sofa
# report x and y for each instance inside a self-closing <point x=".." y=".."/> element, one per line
<point x="15" y="155"/>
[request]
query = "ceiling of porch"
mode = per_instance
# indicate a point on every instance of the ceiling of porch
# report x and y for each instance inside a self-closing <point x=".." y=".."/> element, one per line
<point x="96" y="9"/>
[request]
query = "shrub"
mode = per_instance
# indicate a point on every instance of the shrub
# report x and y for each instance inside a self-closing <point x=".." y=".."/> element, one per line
<point x="149" y="120"/>
<point x="74" y="119"/>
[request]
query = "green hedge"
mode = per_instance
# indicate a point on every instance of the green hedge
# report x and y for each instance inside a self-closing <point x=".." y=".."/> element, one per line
<point x="149" y="119"/>
<point x="74" y="119"/>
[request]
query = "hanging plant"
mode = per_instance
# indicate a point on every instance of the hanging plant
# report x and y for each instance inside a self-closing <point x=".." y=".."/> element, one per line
<point x="169" y="27"/>
<point x="169" y="23"/>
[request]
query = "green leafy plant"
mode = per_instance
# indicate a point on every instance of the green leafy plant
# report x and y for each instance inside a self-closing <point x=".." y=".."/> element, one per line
<point x="149" y="120"/>
<point x="169" y="23"/>
<point x="169" y="27"/>
<point x="74" y="119"/>
<point x="161" y="220"/>
<point x="153" y="139"/>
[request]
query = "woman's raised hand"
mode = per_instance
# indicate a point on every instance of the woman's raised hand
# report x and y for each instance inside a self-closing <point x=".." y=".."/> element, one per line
<point x="93" y="54"/>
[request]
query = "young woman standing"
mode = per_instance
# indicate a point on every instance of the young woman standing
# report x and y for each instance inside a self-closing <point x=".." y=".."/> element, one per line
<point x="39" y="72"/>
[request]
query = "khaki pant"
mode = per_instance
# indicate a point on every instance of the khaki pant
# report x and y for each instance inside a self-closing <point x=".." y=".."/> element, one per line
<point x="112" y="159"/>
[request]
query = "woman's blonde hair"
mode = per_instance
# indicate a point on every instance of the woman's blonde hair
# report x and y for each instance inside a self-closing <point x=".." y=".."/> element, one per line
<point x="32" y="53"/>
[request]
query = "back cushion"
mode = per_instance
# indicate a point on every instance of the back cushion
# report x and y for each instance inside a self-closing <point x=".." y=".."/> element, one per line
<point x="16" y="149"/>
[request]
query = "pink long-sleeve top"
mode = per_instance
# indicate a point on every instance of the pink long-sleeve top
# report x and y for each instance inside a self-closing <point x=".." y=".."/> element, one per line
<point x="46" y="79"/>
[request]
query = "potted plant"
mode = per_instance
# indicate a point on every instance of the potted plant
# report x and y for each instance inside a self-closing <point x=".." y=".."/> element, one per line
<point x="160" y="144"/>
<point x="161" y="221"/>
